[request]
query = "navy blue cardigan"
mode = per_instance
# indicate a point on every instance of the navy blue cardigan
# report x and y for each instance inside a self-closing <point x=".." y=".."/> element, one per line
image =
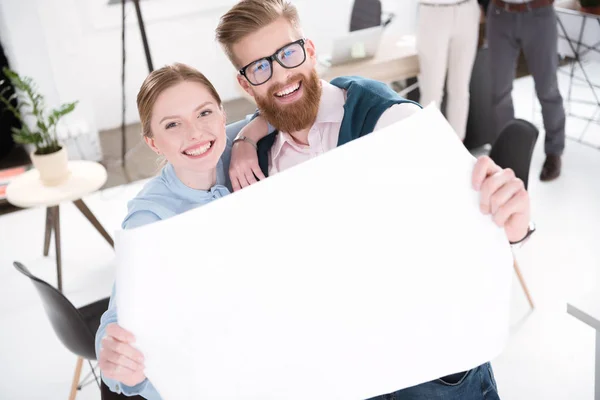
<point x="366" y="100"/>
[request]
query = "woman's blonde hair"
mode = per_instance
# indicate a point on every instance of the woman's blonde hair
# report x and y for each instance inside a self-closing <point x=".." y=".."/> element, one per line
<point x="248" y="16"/>
<point x="160" y="80"/>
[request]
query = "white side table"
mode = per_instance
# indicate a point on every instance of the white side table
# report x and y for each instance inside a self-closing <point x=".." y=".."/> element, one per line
<point x="28" y="191"/>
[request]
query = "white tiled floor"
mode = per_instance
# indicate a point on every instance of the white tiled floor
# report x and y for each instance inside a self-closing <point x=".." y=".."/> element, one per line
<point x="550" y="354"/>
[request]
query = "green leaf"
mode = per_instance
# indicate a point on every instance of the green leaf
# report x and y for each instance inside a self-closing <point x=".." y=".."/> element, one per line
<point x="15" y="111"/>
<point x="64" y="109"/>
<point x="23" y="136"/>
<point x="42" y="127"/>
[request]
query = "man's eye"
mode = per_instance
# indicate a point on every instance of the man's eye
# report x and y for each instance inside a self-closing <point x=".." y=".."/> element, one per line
<point x="205" y="113"/>
<point x="171" y="125"/>
<point x="288" y="53"/>
<point x="261" y="66"/>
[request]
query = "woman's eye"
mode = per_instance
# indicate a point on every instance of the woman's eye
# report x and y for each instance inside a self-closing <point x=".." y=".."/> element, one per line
<point x="205" y="113"/>
<point x="171" y="125"/>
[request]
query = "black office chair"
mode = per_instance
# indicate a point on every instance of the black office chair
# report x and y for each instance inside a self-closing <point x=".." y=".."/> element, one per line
<point x="514" y="149"/>
<point x="76" y="328"/>
<point x="368" y="14"/>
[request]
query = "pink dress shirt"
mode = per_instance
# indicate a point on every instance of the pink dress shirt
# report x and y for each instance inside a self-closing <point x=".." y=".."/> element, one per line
<point x="323" y="135"/>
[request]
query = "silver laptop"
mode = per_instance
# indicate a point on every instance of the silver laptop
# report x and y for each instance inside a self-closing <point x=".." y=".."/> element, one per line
<point x="354" y="46"/>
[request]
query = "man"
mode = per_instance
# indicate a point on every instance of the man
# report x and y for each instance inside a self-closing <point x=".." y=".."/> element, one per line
<point x="276" y="64"/>
<point x="528" y="25"/>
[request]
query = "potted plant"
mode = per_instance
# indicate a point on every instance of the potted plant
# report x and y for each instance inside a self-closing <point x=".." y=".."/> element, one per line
<point x="590" y="6"/>
<point x="38" y="127"/>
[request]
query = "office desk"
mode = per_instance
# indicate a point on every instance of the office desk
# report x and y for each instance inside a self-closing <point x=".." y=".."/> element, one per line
<point x="396" y="60"/>
<point x="587" y="310"/>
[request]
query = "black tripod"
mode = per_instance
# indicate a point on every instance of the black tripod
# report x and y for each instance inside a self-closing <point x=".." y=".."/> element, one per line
<point x="140" y="19"/>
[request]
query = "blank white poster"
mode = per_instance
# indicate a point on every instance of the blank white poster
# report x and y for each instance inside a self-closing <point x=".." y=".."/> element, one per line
<point x="360" y="272"/>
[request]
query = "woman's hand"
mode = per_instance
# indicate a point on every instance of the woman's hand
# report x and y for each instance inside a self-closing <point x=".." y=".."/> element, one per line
<point x="119" y="360"/>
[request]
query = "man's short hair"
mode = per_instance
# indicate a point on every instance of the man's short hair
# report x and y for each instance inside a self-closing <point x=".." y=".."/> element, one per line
<point x="248" y="16"/>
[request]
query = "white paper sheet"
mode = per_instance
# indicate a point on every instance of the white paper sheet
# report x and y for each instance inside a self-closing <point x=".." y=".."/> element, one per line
<point x="363" y="271"/>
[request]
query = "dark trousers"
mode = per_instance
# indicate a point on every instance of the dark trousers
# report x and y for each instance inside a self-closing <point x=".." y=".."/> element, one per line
<point x="476" y="384"/>
<point x="536" y="33"/>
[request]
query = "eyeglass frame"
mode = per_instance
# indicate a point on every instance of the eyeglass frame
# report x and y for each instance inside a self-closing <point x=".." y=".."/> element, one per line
<point x="272" y="57"/>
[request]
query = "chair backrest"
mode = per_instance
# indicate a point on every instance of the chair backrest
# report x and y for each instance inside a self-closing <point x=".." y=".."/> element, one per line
<point x="514" y="147"/>
<point x="67" y="321"/>
<point x="365" y="14"/>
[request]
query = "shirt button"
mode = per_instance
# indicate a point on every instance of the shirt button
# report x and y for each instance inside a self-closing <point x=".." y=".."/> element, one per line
<point x="118" y="388"/>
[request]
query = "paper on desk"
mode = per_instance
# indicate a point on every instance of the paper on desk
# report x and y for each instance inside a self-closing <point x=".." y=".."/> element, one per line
<point x="363" y="271"/>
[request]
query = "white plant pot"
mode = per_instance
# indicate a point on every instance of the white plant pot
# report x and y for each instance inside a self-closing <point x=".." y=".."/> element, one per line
<point x="53" y="168"/>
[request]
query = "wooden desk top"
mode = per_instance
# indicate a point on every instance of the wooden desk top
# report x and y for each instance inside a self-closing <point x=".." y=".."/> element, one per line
<point x="396" y="59"/>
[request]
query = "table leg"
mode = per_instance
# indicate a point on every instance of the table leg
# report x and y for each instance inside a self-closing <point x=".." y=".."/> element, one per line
<point x="597" y="370"/>
<point x="56" y="221"/>
<point x="88" y="214"/>
<point x="48" y="230"/>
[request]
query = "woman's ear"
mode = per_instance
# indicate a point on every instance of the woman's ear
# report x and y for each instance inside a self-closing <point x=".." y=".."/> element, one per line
<point x="224" y="114"/>
<point x="150" y="142"/>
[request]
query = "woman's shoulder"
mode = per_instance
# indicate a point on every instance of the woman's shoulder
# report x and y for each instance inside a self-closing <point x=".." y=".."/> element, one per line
<point x="156" y="201"/>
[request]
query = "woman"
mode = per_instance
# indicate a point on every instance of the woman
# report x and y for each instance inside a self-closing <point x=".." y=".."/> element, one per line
<point x="182" y="120"/>
<point x="447" y="35"/>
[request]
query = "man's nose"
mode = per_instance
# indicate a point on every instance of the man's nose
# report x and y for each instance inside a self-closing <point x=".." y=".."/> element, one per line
<point x="280" y="74"/>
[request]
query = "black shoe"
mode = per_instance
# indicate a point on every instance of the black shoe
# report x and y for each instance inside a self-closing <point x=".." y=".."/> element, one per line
<point x="551" y="168"/>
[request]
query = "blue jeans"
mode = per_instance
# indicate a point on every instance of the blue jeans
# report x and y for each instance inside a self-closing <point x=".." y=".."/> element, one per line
<point x="476" y="384"/>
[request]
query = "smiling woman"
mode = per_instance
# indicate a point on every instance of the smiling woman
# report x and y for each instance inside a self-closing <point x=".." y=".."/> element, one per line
<point x="183" y="120"/>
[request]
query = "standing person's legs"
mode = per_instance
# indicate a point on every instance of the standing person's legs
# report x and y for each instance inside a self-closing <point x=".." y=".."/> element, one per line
<point x="463" y="48"/>
<point x="540" y="41"/>
<point x="433" y="36"/>
<point x="504" y="49"/>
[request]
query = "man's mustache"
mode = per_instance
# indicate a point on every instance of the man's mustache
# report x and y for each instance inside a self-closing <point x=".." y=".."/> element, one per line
<point x="279" y="86"/>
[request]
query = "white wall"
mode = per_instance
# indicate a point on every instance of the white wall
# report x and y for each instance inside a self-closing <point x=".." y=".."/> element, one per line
<point x="73" y="48"/>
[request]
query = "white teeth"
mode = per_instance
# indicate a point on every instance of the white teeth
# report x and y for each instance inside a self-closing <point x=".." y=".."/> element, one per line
<point x="289" y="90"/>
<point x="199" y="150"/>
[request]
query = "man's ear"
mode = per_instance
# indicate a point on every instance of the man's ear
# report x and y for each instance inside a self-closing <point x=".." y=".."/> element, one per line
<point x="150" y="142"/>
<point x="245" y="85"/>
<point x="311" y="50"/>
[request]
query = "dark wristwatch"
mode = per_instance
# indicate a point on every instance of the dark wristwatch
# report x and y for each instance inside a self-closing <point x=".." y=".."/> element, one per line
<point x="527" y="236"/>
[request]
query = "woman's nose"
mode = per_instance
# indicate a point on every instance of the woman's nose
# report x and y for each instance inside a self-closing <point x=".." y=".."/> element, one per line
<point x="196" y="131"/>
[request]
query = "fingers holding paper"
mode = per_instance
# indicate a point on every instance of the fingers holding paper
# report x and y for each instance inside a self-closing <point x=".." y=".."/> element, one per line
<point x="503" y="196"/>
<point x="119" y="360"/>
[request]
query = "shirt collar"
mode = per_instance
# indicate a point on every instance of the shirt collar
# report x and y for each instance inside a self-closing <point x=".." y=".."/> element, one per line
<point x="331" y="110"/>
<point x="197" y="195"/>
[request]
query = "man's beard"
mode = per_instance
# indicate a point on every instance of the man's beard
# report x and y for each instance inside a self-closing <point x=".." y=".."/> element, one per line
<point x="295" y="116"/>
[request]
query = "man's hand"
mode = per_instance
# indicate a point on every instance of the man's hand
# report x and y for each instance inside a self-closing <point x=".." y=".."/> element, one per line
<point x="503" y="196"/>
<point x="119" y="360"/>
<point x="244" y="166"/>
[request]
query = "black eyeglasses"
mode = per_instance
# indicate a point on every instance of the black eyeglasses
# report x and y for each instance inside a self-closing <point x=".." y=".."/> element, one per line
<point x="289" y="56"/>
